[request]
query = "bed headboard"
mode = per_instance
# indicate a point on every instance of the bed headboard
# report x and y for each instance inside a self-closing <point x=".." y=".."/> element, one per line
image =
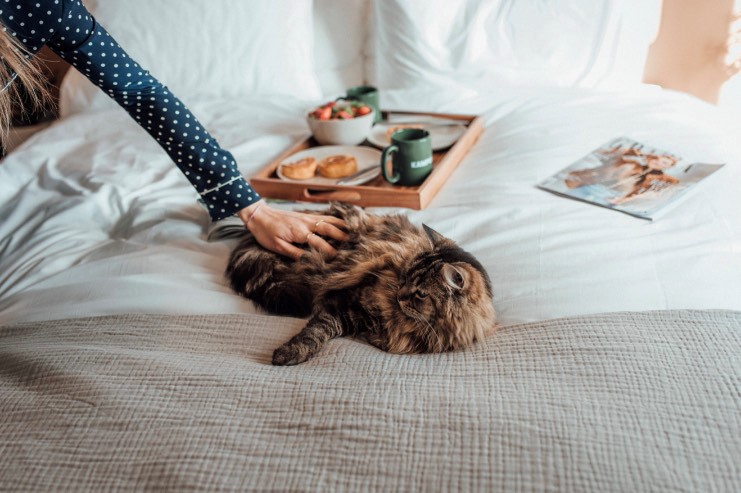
<point x="688" y="55"/>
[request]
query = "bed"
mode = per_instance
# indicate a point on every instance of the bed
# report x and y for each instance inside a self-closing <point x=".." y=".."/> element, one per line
<point x="127" y="363"/>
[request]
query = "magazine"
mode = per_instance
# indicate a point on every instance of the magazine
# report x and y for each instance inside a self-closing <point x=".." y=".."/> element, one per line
<point x="630" y="177"/>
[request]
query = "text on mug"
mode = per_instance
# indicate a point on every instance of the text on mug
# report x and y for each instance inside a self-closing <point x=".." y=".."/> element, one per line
<point x="422" y="163"/>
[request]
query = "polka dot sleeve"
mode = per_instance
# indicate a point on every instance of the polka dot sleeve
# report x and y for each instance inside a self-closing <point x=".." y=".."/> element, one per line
<point x="70" y="30"/>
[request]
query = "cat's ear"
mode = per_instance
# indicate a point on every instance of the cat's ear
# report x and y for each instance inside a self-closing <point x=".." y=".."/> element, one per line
<point x="454" y="276"/>
<point x="433" y="235"/>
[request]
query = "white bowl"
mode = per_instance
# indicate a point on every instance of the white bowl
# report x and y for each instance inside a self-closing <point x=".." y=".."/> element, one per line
<point x="350" y="132"/>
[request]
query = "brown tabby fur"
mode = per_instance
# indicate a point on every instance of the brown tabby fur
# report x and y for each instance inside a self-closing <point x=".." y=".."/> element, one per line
<point x="406" y="290"/>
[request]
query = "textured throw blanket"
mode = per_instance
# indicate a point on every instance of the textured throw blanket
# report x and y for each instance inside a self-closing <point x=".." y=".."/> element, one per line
<point x="617" y="402"/>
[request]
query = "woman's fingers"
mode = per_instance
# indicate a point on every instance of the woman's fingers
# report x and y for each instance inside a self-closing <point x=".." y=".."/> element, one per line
<point x="318" y="243"/>
<point x="285" y="231"/>
<point x="331" y="220"/>
<point x="325" y="228"/>
<point x="288" y="249"/>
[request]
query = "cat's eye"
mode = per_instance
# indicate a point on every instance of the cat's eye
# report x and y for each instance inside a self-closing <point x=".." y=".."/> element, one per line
<point x="420" y="295"/>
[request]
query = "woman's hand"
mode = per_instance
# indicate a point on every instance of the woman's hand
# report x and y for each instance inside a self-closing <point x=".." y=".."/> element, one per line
<point x="279" y="230"/>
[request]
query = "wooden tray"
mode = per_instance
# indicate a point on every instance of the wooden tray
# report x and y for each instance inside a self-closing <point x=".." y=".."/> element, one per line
<point x="377" y="192"/>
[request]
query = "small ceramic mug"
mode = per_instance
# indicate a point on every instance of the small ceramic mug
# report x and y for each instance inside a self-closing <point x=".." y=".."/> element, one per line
<point x="411" y="151"/>
<point x="368" y="95"/>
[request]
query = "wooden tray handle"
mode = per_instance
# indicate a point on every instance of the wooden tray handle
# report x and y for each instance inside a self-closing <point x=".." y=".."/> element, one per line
<point x="327" y="195"/>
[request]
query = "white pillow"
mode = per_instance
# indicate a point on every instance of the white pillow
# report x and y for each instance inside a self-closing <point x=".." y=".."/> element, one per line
<point x="204" y="48"/>
<point x="340" y="37"/>
<point x="488" y="43"/>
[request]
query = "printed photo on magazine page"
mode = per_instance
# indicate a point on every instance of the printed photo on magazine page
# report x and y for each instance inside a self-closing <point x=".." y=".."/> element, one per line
<point x="630" y="177"/>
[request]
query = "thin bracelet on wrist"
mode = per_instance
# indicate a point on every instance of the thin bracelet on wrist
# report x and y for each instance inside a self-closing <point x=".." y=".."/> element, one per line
<point x="247" y="223"/>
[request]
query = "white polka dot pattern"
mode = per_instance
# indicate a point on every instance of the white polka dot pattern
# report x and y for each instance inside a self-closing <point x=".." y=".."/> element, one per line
<point x="71" y="31"/>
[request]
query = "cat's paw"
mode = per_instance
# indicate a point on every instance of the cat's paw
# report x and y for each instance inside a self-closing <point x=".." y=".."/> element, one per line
<point x="290" y="354"/>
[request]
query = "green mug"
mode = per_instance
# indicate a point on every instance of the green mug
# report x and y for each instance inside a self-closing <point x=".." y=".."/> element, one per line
<point x="368" y="95"/>
<point x="412" y="157"/>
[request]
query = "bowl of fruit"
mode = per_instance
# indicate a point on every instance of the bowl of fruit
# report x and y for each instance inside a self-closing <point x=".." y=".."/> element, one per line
<point x="340" y="122"/>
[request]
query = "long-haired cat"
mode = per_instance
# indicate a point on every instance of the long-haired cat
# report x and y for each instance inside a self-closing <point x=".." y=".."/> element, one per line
<point x="405" y="289"/>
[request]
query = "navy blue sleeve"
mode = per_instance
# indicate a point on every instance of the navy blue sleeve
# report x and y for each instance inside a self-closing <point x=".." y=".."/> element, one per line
<point x="70" y="30"/>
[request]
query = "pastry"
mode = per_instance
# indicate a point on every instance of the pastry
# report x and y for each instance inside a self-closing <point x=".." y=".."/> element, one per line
<point x="303" y="169"/>
<point x="337" y="166"/>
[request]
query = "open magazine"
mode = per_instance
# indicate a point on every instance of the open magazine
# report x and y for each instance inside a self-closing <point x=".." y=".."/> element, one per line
<point x="629" y="177"/>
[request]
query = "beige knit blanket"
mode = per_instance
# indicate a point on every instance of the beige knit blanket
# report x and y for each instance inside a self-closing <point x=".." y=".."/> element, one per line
<point x="616" y="402"/>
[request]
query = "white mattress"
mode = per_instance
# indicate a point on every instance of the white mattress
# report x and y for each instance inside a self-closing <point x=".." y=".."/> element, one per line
<point x="97" y="221"/>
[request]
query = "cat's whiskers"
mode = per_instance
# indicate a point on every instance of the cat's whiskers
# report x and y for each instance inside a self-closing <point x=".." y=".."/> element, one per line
<point x="435" y="340"/>
<point x="420" y="319"/>
<point x="376" y="274"/>
<point x="409" y="312"/>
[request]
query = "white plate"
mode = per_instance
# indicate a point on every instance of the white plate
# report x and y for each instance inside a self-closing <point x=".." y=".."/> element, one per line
<point x="444" y="134"/>
<point x="366" y="157"/>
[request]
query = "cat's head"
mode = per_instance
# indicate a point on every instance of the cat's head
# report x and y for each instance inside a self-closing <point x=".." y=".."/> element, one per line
<point x="444" y="298"/>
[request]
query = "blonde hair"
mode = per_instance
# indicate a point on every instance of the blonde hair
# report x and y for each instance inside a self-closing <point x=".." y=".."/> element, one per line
<point x="19" y="75"/>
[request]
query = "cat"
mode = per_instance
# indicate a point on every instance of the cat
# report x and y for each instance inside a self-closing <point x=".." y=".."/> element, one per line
<point x="405" y="289"/>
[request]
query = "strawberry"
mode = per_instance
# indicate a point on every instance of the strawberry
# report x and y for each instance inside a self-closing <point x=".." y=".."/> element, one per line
<point x="363" y="110"/>
<point x="324" y="113"/>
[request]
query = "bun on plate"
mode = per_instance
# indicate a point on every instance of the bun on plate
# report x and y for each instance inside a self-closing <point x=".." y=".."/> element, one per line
<point x="303" y="169"/>
<point x="337" y="166"/>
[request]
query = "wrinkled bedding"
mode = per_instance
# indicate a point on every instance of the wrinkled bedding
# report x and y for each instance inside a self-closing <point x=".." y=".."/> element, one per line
<point x="97" y="221"/>
<point x="616" y="402"/>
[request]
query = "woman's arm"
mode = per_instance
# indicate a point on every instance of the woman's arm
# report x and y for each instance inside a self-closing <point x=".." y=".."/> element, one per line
<point x="71" y="31"/>
<point x="212" y="171"/>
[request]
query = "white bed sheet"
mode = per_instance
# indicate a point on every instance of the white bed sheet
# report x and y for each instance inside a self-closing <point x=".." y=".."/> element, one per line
<point x="96" y="220"/>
